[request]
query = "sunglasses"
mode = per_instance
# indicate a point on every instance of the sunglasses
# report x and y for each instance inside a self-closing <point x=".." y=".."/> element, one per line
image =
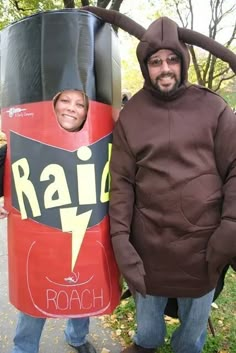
<point x="171" y="60"/>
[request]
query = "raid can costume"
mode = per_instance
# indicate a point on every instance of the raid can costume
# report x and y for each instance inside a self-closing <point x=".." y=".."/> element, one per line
<point x="61" y="262"/>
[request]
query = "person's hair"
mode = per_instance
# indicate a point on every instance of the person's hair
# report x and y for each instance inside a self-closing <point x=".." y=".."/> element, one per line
<point x="86" y="100"/>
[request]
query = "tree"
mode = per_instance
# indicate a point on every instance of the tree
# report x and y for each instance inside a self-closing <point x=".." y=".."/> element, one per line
<point x="131" y="77"/>
<point x="205" y="69"/>
<point x="12" y="10"/>
<point x="208" y="71"/>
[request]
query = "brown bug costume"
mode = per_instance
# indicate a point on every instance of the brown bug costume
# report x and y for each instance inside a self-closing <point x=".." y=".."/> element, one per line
<point x="176" y="241"/>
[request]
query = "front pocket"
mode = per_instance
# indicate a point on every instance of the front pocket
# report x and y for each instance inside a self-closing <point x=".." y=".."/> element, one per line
<point x="201" y="200"/>
<point x="189" y="253"/>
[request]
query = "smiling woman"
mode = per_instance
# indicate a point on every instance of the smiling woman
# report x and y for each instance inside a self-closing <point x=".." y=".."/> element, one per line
<point x="71" y="107"/>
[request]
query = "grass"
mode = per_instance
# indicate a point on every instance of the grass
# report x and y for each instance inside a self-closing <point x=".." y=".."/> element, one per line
<point x="223" y="317"/>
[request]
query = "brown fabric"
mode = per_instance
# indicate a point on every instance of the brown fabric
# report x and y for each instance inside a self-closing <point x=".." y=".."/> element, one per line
<point x="171" y="308"/>
<point x="194" y="38"/>
<point x="173" y="173"/>
<point x="173" y="179"/>
<point x="233" y="263"/>
<point x="117" y="19"/>
<point x="162" y="34"/>
<point x="184" y="34"/>
<point x="129" y="263"/>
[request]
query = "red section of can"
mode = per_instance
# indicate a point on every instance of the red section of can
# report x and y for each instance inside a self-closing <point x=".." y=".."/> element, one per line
<point x="50" y="273"/>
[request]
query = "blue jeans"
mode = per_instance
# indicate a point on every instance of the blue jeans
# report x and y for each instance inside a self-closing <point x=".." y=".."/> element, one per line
<point x="29" y="329"/>
<point x="191" y="334"/>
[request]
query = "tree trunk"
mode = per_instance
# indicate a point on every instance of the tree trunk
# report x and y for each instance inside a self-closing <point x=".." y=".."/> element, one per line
<point x="69" y="4"/>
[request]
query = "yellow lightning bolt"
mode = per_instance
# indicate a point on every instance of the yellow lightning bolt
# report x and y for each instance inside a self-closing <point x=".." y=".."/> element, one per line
<point x="77" y="225"/>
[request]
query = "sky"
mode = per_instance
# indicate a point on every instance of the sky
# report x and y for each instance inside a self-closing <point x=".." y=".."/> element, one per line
<point x="144" y="16"/>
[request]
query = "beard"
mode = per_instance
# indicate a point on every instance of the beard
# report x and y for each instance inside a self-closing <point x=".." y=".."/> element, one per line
<point x="168" y="91"/>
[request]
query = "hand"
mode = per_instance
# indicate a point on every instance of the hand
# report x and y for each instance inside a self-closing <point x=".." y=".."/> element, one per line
<point x="129" y="263"/>
<point x="3" y="213"/>
<point x="137" y="285"/>
<point x="216" y="263"/>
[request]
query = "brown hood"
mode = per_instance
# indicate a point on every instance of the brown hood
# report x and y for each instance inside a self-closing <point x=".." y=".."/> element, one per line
<point x="162" y="34"/>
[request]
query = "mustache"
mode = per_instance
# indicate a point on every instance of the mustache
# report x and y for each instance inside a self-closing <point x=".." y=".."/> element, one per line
<point x="166" y="74"/>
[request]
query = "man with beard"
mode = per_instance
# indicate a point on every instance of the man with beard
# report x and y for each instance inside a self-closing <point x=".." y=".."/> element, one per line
<point x="172" y="201"/>
<point x="165" y="71"/>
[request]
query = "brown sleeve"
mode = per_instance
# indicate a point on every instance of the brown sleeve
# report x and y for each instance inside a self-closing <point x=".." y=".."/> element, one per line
<point x="222" y="245"/>
<point x="123" y="170"/>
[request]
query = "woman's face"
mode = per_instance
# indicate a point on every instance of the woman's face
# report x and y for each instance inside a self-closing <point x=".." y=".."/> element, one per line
<point x="71" y="110"/>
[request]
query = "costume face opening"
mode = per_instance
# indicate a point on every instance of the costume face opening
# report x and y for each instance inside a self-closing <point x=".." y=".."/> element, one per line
<point x="164" y="68"/>
<point x="71" y="107"/>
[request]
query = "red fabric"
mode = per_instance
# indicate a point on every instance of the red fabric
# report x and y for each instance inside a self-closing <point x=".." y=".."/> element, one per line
<point x="42" y="281"/>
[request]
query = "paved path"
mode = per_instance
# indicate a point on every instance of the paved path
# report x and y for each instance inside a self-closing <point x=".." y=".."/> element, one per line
<point x="52" y="340"/>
